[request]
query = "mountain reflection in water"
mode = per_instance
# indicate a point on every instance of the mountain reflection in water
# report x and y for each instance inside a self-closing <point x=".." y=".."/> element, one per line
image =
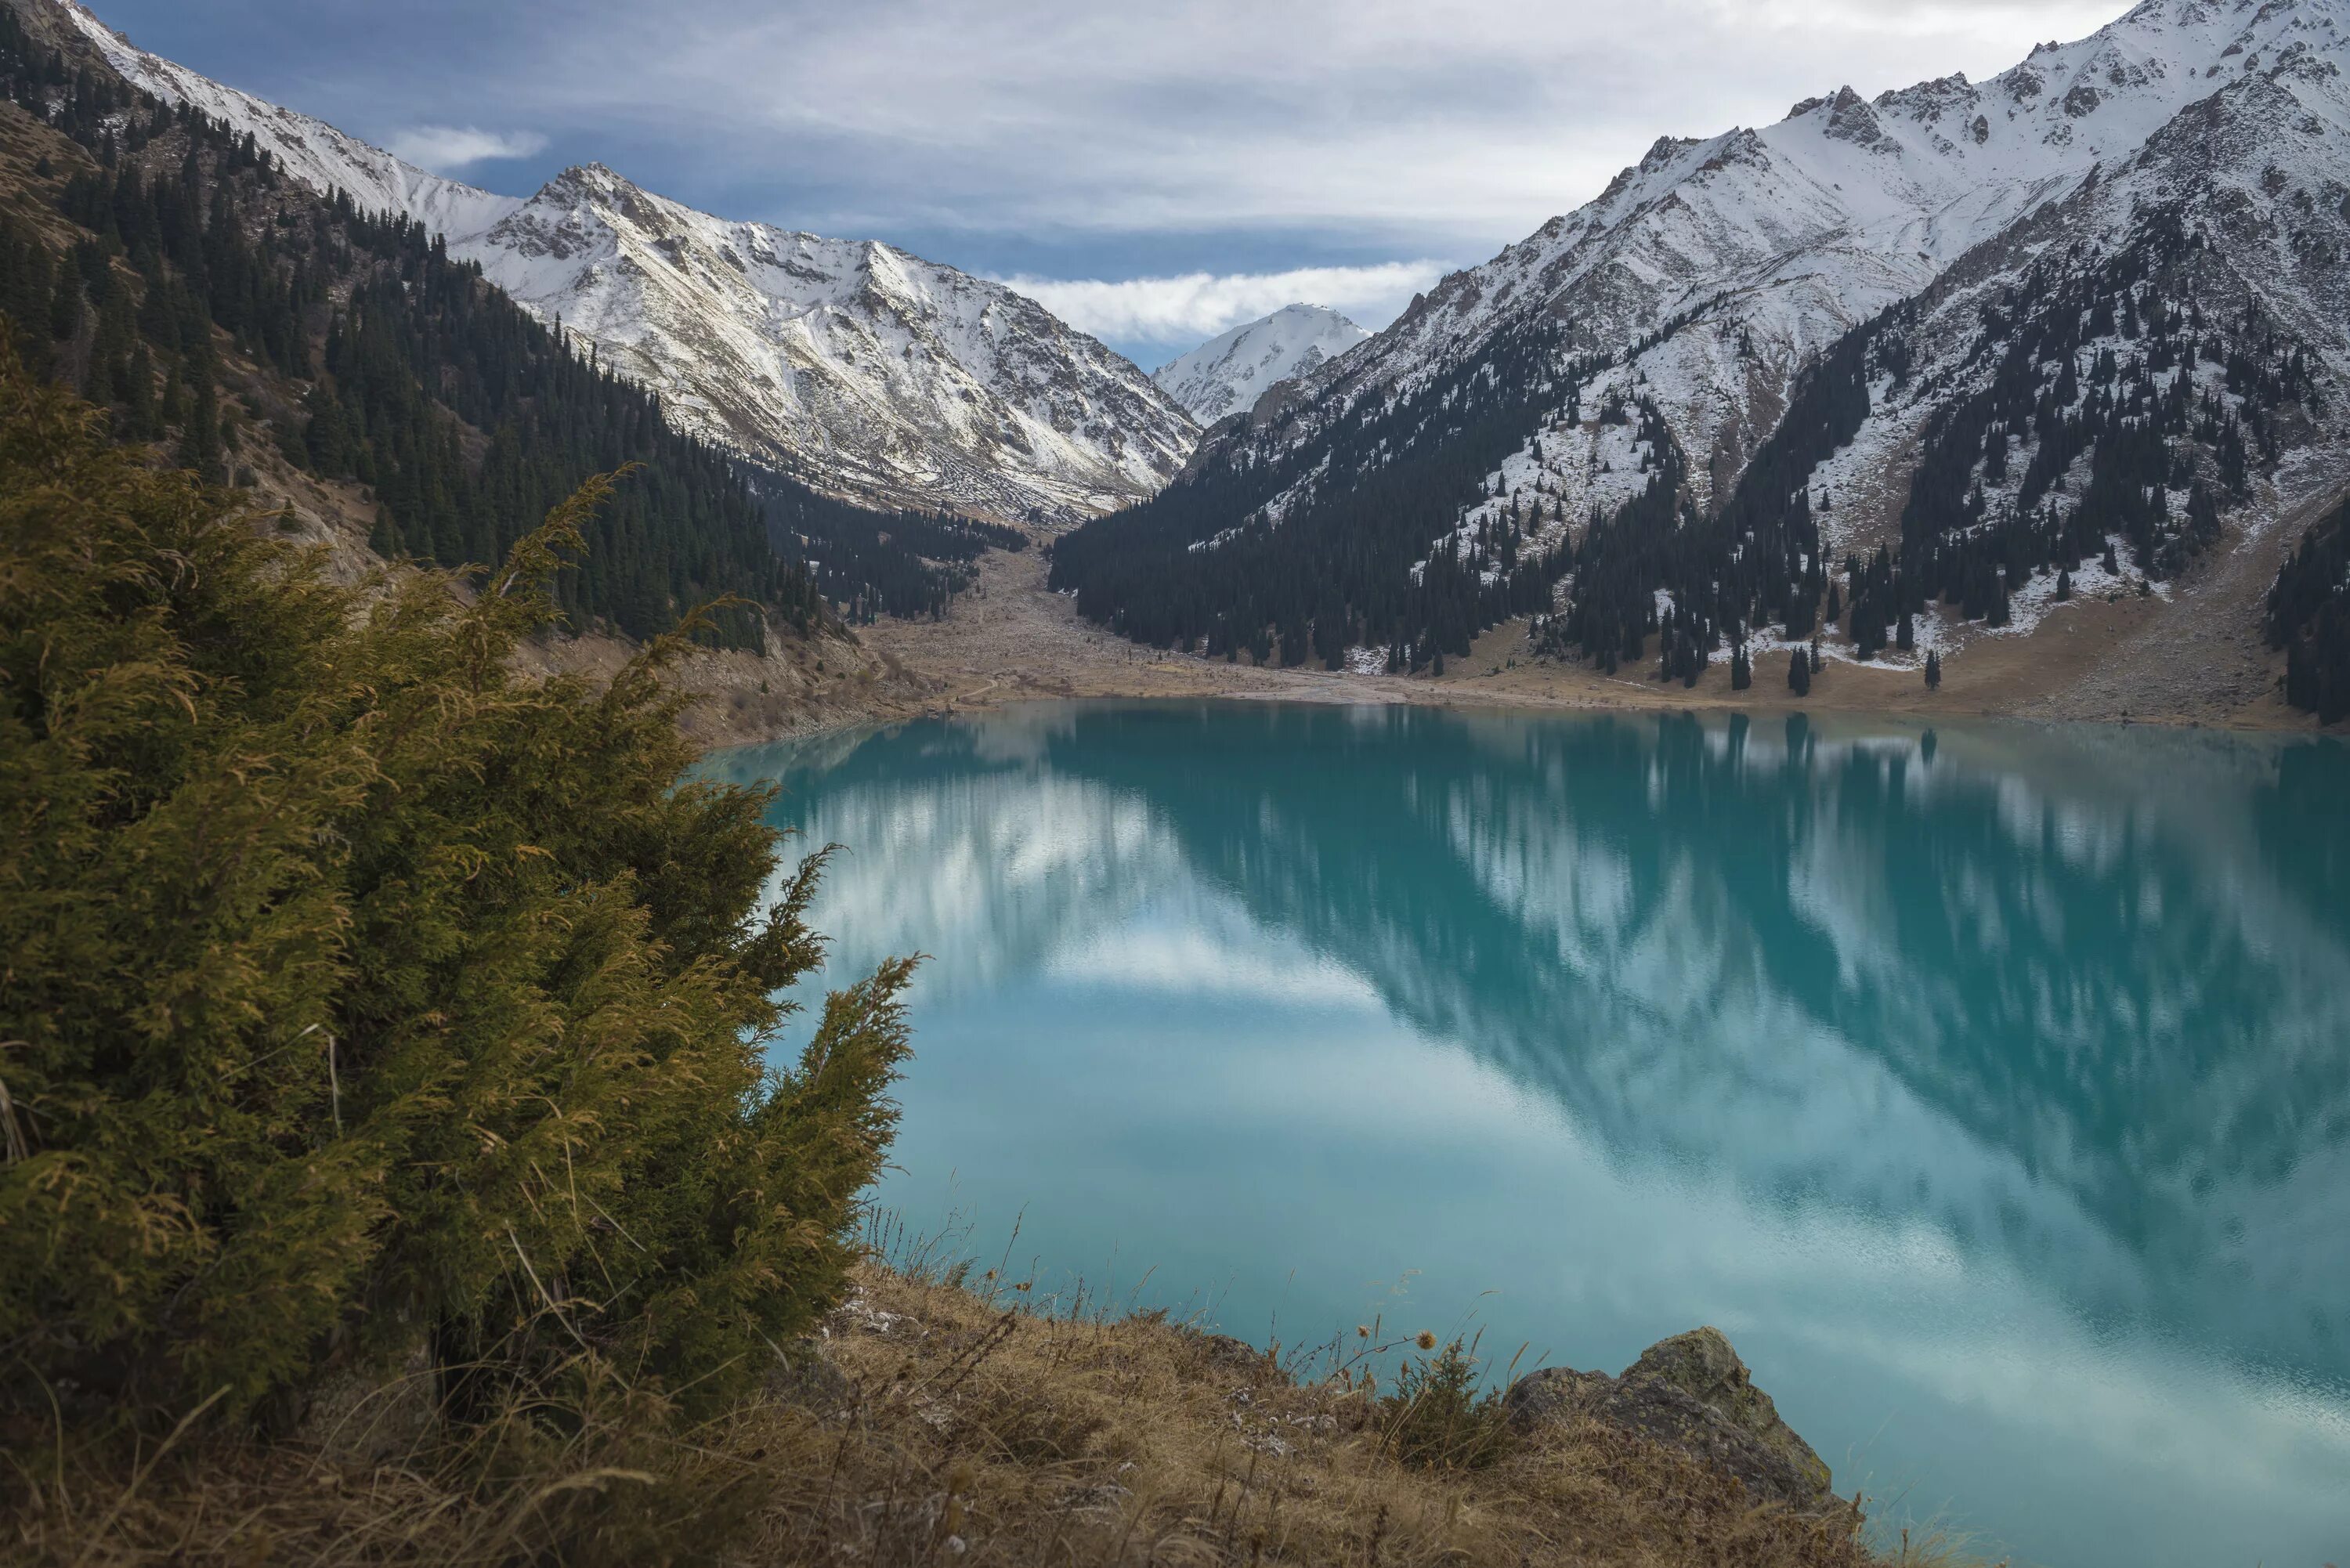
<point x="1990" y="1085"/>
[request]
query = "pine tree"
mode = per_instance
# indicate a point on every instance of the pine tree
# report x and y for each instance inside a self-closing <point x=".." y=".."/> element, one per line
<point x="1933" y="671"/>
<point x="200" y="431"/>
<point x="1742" y="672"/>
<point x="1799" y="674"/>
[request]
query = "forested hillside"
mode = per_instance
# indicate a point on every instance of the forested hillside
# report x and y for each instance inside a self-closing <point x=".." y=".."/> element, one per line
<point x="2129" y="398"/>
<point x="1346" y="559"/>
<point x="154" y="255"/>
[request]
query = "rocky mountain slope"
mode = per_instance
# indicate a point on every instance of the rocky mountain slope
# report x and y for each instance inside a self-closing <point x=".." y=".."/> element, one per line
<point x="1644" y="348"/>
<point x="1228" y="373"/>
<point x="1780" y="240"/>
<point x="851" y="364"/>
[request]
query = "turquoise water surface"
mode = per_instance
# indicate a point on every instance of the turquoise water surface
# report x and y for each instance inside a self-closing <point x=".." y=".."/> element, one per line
<point x="1989" y="1085"/>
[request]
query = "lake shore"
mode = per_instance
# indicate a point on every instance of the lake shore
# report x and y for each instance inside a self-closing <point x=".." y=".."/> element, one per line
<point x="2128" y="659"/>
<point x="987" y="1422"/>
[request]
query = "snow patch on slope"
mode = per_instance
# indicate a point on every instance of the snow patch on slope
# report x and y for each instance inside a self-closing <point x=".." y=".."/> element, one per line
<point x="1783" y="238"/>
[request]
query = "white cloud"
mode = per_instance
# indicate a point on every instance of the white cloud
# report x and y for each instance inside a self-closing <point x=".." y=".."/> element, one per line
<point x="1197" y="305"/>
<point x="1419" y="129"/>
<point x="1071" y="137"/>
<point x="445" y="149"/>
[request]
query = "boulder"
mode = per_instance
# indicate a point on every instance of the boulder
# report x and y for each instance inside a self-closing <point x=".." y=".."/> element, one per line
<point x="1702" y="1365"/>
<point x="1692" y="1393"/>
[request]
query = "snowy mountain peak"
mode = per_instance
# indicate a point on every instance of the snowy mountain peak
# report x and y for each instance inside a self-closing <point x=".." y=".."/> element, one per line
<point x="1849" y="205"/>
<point x="857" y="367"/>
<point x="1227" y="374"/>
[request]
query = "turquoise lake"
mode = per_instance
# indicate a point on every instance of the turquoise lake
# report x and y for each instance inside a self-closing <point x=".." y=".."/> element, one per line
<point x="1989" y="1085"/>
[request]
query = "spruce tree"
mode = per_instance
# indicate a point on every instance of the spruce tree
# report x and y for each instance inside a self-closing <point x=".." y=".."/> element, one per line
<point x="1933" y="671"/>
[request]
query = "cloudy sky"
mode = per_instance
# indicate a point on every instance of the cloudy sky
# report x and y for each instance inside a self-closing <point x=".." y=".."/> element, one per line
<point x="1155" y="174"/>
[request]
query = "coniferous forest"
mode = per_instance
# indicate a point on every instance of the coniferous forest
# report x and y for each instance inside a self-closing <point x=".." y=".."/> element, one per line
<point x="1349" y="563"/>
<point x="868" y="564"/>
<point x="2309" y="617"/>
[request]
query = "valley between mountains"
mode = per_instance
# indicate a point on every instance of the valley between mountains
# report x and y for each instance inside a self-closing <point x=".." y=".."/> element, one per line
<point x="2028" y="397"/>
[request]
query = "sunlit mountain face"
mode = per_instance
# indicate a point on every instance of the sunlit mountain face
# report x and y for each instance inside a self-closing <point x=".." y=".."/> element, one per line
<point x="1944" y="1068"/>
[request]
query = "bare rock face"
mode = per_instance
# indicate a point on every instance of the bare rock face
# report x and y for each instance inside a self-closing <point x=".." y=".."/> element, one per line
<point x="1690" y="1392"/>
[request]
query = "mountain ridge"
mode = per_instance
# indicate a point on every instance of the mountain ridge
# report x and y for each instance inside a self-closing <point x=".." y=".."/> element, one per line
<point x="1650" y="343"/>
<point x="851" y="364"/>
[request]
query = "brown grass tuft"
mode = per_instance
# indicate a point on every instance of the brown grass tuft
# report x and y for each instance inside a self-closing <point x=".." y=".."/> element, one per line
<point x="940" y="1424"/>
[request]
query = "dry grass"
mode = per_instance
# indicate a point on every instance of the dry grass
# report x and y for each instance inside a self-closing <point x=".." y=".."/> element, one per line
<point x="938" y="1424"/>
<point x="1011" y="1437"/>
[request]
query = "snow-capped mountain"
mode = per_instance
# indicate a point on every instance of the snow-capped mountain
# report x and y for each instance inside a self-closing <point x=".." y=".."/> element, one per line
<point x="1228" y="373"/>
<point x="1786" y="237"/>
<point x="866" y="367"/>
<point x="851" y="364"/>
<point x="1704" y="280"/>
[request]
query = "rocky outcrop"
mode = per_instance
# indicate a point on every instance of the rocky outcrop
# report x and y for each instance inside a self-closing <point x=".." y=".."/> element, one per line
<point x="1692" y="1393"/>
